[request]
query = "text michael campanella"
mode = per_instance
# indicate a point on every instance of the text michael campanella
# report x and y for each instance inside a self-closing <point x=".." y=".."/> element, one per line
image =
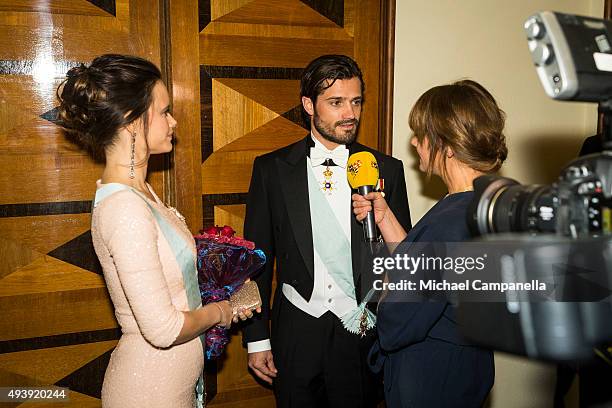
<point x="415" y="270"/>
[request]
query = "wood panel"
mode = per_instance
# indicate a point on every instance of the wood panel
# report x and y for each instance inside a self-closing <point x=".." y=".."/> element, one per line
<point x="58" y="323"/>
<point x="15" y="255"/>
<point x="184" y="72"/>
<point x="228" y="172"/>
<point x="367" y="26"/>
<point x="252" y="53"/>
<point x="387" y="63"/>
<point x="22" y="230"/>
<point x="277" y="12"/>
<point x="237" y="389"/>
<point x="278" y="52"/>
<point x="51" y="365"/>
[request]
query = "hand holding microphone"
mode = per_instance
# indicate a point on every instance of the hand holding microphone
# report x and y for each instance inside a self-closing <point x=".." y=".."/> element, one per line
<point x="370" y="202"/>
<point x="362" y="174"/>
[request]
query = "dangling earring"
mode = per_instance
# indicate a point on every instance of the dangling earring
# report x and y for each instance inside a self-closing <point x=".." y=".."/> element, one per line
<point x="132" y="153"/>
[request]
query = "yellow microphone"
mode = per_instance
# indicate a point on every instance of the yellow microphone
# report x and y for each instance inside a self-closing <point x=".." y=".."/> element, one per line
<point x="362" y="174"/>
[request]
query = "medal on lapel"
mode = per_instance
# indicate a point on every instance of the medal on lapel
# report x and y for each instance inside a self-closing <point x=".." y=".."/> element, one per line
<point x="327" y="186"/>
<point x="380" y="186"/>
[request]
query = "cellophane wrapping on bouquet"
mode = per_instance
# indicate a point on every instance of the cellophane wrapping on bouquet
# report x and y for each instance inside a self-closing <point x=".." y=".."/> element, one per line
<point x="224" y="264"/>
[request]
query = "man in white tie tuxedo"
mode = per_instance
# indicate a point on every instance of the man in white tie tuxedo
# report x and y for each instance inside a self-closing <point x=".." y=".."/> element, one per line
<point x="309" y="356"/>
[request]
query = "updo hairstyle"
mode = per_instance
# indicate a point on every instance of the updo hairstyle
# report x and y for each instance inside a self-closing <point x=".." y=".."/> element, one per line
<point x="465" y="117"/>
<point x="96" y="101"/>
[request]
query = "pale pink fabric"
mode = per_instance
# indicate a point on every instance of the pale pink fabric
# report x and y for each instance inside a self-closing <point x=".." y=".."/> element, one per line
<point x="146" y="287"/>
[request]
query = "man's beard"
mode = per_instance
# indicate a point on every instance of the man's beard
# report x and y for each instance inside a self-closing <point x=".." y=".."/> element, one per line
<point x="340" y="136"/>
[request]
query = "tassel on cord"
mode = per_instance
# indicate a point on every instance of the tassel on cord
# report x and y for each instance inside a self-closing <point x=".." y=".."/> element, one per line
<point x="360" y="319"/>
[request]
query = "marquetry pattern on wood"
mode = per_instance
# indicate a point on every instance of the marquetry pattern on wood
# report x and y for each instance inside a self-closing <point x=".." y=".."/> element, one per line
<point x="58" y="325"/>
<point x="252" y="53"/>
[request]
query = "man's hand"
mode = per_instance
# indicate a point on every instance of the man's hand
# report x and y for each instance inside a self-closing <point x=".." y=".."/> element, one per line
<point x="262" y="364"/>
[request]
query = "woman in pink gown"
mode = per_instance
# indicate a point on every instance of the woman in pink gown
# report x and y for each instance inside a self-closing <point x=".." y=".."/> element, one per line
<point x="118" y="108"/>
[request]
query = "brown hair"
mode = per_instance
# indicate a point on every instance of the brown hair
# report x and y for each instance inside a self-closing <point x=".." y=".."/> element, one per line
<point x="322" y="72"/>
<point x="98" y="100"/>
<point x="464" y="117"/>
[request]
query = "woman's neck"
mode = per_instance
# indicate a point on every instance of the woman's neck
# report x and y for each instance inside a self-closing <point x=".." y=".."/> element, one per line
<point x="460" y="178"/>
<point x="119" y="173"/>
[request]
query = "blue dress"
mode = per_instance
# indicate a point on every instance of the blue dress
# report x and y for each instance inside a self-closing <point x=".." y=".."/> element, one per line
<point x="426" y="362"/>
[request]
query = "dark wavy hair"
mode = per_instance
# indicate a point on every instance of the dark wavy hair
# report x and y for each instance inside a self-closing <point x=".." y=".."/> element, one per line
<point x="465" y="117"/>
<point x="322" y="73"/>
<point x="96" y="101"/>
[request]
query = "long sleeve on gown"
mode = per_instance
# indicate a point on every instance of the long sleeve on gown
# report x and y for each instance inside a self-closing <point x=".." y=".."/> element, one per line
<point x="130" y="233"/>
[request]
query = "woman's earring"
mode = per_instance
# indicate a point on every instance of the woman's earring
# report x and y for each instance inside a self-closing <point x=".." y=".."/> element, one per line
<point x="132" y="153"/>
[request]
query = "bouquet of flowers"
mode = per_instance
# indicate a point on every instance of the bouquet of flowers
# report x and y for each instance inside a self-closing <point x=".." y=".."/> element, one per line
<point x="224" y="264"/>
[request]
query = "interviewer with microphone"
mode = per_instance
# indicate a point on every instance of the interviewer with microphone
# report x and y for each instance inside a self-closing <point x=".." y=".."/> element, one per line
<point x="458" y="135"/>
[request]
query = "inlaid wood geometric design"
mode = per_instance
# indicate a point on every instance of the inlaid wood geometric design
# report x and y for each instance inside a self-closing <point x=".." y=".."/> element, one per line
<point x="107" y="5"/>
<point x="247" y="121"/>
<point x="58" y="324"/>
<point x="53" y="364"/>
<point x="333" y="10"/>
<point x="71" y="7"/>
<point x="77" y="367"/>
<point x="78" y="252"/>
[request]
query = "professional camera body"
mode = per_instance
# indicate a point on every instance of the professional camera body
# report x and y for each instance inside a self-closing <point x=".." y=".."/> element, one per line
<point x="577" y="205"/>
<point x="560" y="232"/>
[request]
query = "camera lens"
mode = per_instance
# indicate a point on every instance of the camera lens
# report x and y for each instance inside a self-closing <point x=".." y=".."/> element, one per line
<point x="501" y="204"/>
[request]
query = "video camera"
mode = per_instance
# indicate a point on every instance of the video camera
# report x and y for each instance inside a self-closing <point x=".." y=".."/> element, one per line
<point x="560" y="232"/>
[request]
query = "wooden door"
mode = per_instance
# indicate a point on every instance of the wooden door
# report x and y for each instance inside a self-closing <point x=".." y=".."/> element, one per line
<point x="251" y="56"/>
<point x="57" y="324"/>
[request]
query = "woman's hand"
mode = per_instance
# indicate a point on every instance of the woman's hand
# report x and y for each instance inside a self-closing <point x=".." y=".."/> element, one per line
<point x="224" y="312"/>
<point x="363" y="204"/>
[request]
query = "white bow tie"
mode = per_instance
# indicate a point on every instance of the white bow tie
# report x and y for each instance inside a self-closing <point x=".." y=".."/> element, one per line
<point x="339" y="156"/>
